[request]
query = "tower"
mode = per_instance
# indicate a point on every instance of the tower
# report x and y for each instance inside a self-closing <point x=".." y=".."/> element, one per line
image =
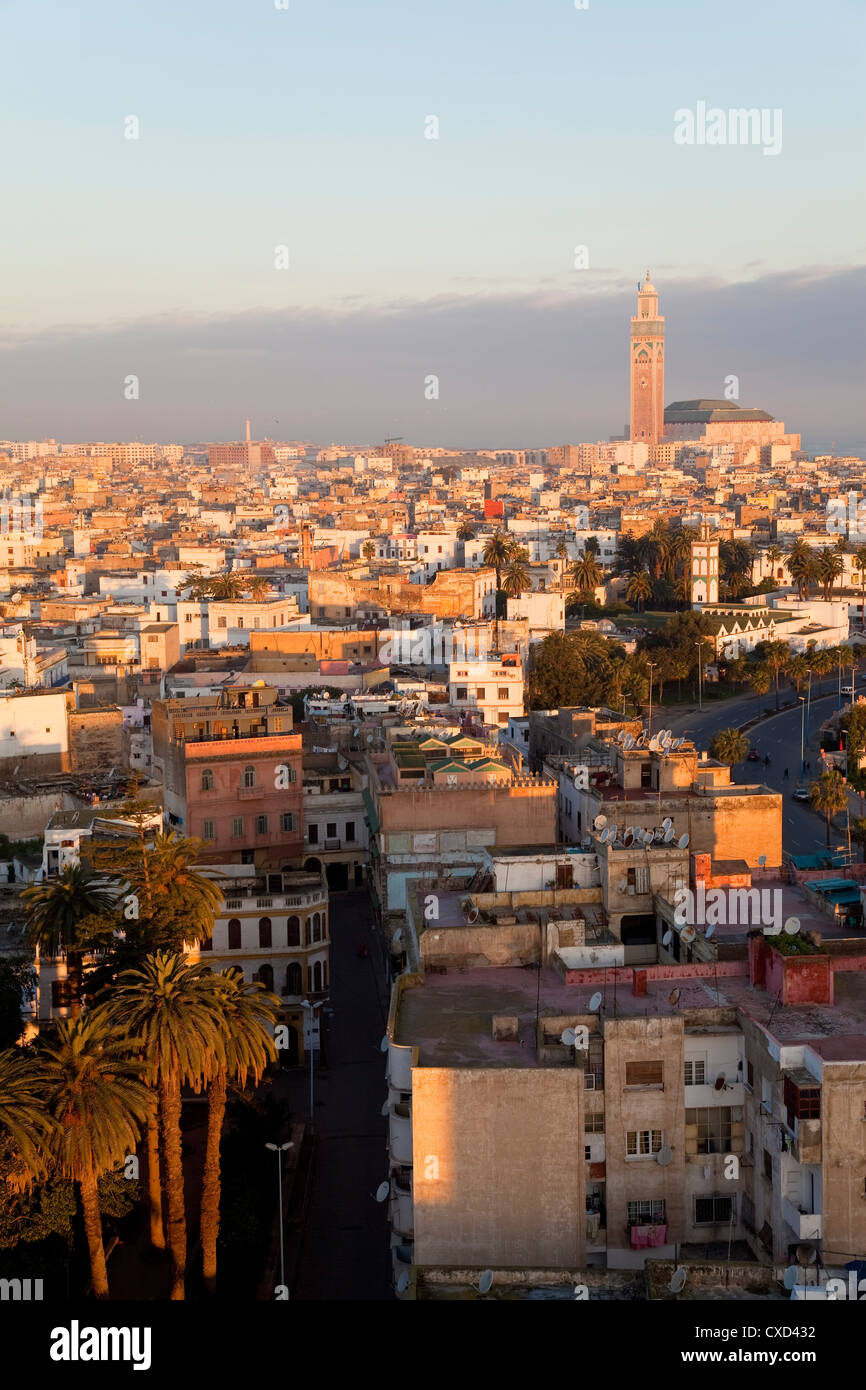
<point x="705" y="567"/>
<point x="647" y="367"/>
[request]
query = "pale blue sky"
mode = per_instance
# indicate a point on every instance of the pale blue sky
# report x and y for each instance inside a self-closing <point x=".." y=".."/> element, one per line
<point x="262" y="126"/>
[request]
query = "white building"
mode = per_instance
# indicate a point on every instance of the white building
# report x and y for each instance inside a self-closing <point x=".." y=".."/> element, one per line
<point x="489" y="689"/>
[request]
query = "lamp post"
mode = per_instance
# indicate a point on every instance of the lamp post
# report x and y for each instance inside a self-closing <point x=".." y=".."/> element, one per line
<point x="700" y="648"/>
<point x="311" y="1008"/>
<point x="280" y="1149"/>
<point x="802" y="700"/>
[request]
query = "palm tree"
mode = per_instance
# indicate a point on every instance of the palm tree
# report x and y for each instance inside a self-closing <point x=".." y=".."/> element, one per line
<point x="516" y="578"/>
<point x="760" y="678"/>
<point x="858" y="835"/>
<point x="257" y="587"/>
<point x="777" y="654"/>
<point x="466" y="531"/>
<point x="24" y="1122"/>
<point x="174" y="1009"/>
<point x="97" y="1100"/>
<point x="774" y="555"/>
<point x="62" y="913"/>
<point x="197" y="583"/>
<point x="801" y="566"/>
<point x="248" y="1017"/>
<point x="495" y="554"/>
<point x="829" y="796"/>
<point x="183" y="900"/>
<point x="798" y="671"/>
<point x="639" y="588"/>
<point x="368" y="549"/>
<point x="586" y="573"/>
<point x="229" y="585"/>
<point x="729" y="746"/>
<point x="829" y="567"/>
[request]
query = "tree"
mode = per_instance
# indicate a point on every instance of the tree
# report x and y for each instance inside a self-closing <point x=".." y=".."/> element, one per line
<point x="586" y="573"/>
<point x="66" y="915"/>
<point x="860" y="564"/>
<point x="829" y="796"/>
<point x="777" y="655"/>
<point x="858" y="835"/>
<point x="774" y="555"/>
<point x="229" y="585"/>
<point x="516" y="578"/>
<point x="798" y="671"/>
<point x="25" y="1125"/>
<point x="575" y="668"/>
<point x="368" y="549"/>
<point x="829" y="567"/>
<point x="801" y="566"/>
<point x="249" y="1014"/>
<point x="495" y="554"/>
<point x="17" y="984"/>
<point x="97" y="1101"/>
<point x="257" y="587"/>
<point x="639" y="588"/>
<point x="729" y="746"/>
<point x="760" y="678"/>
<point x="466" y="531"/>
<point x="173" y="1010"/>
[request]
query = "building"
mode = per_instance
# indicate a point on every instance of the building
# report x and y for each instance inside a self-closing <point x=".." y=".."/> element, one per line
<point x="647" y="364"/>
<point x="231" y="774"/>
<point x="725" y="422"/>
<point x="335" y="826"/>
<point x="491" y="689"/>
<point x="705" y="567"/>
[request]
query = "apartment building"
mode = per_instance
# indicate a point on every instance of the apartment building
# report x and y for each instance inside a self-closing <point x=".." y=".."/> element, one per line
<point x="335" y="825"/>
<point x="492" y="690"/>
<point x="231" y="773"/>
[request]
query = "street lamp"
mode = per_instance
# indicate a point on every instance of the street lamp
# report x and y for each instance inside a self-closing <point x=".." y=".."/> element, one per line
<point x="802" y="700"/>
<point x="307" y="1004"/>
<point x="279" y="1149"/>
<point x="699" y="646"/>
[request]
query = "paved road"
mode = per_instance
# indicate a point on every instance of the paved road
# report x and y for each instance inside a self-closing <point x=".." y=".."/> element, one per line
<point x="345" y="1248"/>
<point x="803" y="831"/>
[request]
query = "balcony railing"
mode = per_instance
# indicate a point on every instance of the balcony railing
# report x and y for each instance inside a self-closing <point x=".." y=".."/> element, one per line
<point x="805" y="1225"/>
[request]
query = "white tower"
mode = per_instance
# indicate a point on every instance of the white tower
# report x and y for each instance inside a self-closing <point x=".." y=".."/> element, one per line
<point x="705" y="567"/>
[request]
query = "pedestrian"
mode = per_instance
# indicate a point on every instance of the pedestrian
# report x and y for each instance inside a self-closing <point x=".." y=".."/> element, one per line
<point x="785" y="774"/>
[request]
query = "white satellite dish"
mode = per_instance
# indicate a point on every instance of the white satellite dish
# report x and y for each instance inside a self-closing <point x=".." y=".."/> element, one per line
<point x="669" y="834"/>
<point x="369" y="738"/>
<point x="614" y="831"/>
<point x="343" y="698"/>
<point x="664" y="1156"/>
<point x="792" y="1274"/>
<point x="606" y="835"/>
<point x="792" y="925"/>
<point x="629" y="742"/>
<point x="688" y="933"/>
<point x="403" y="1282"/>
<point x="595" y="1002"/>
<point x="667" y="823"/>
<point x="709" y="931"/>
<point x="386" y="1106"/>
<point x="678" y="1281"/>
<point x="762" y="859"/>
<point x="567" y="1036"/>
<point x="382" y="1191"/>
<point x="683" y="841"/>
<point x="485" y="1283"/>
<point x="677" y="743"/>
<point x="674" y="997"/>
<point x="384" y="1044"/>
<point x="654" y="744"/>
<point x="397" y="937"/>
<point x="325" y="695"/>
<point x="628" y="838"/>
<point x="667" y="938"/>
<point x="599" y="823"/>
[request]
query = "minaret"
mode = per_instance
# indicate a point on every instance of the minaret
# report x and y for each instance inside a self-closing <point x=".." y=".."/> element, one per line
<point x="705" y="567"/>
<point x="647" y="367"/>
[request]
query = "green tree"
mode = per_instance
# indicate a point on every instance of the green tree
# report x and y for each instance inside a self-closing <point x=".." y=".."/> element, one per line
<point x="97" y="1101"/>
<point x="777" y="655"/>
<point x="516" y="579"/>
<point x="25" y="1125"/>
<point x="173" y="1010"/>
<point x="257" y="587"/>
<point x="575" y="668"/>
<point x="249" y="1015"/>
<point x="586" y="573"/>
<point x="801" y="566"/>
<point x="640" y="588"/>
<point x="69" y="914"/>
<point x="829" y="796"/>
<point x="828" y="568"/>
<point x="229" y="585"/>
<point x="729" y="746"/>
<point x="368" y="549"/>
<point x="466" y="531"/>
<point x="17" y="985"/>
<point x="860" y="564"/>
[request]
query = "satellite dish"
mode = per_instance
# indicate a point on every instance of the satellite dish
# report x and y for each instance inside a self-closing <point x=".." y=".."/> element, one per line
<point x="472" y="915"/>
<point x="595" y="1002"/>
<point x="403" y="1282"/>
<point x="622" y="885"/>
<point x="629" y="742"/>
<point x="674" y="997"/>
<point x="678" y="1281"/>
<point x="688" y="934"/>
<point x="628" y="838"/>
<point x="669" y="834"/>
<point x="485" y="1283"/>
<point x="762" y="859"/>
<point x="658" y="836"/>
<point x="355" y="732"/>
<point x="709" y="931"/>
<point x="664" y="1156"/>
<point x="369" y="738"/>
<point x="719" y="1083"/>
<point x="606" y="835"/>
<point x="614" y="831"/>
<point x="386" y="1106"/>
<point x="792" y="925"/>
<point x="382" y="1191"/>
<point x="792" y="1274"/>
<point x="667" y="938"/>
<point x="384" y="1044"/>
<point x="343" y="698"/>
<point x="397" y="937"/>
<point x="683" y="841"/>
<point x="654" y="744"/>
<point x="667" y="823"/>
<point x="599" y="823"/>
<point x="677" y="743"/>
<point x="567" y="1036"/>
<point x="325" y="695"/>
<point x="806" y="1255"/>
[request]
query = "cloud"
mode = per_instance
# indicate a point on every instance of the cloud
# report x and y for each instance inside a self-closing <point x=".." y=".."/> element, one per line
<point x="523" y="368"/>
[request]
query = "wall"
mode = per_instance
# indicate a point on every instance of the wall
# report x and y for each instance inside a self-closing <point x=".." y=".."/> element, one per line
<point x="96" y="742"/>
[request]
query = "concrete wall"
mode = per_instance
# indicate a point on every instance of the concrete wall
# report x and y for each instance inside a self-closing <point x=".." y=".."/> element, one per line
<point x="498" y="1167"/>
<point x="96" y="742"/>
<point x="843" y="1123"/>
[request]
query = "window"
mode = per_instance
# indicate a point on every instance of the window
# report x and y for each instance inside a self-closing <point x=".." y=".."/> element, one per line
<point x="207" y="780"/>
<point x="237" y="827"/>
<point x="293" y="931"/>
<point x="239" y="622"/>
<point x="644" y="1073"/>
<point x="594" y="1124"/>
<point x="643" y="1143"/>
<point x="502" y="692"/>
<point x="61" y="994"/>
<point x="801" y="1102"/>
<point x="331" y="830"/>
<point x="713" y="1211"/>
<point x="587" y="1153"/>
<point x="264" y="931"/>
<point x="221" y="622"/>
<point x="261" y="825"/>
<point x="317" y="926"/>
<point x="350" y="830"/>
<point x="207" y="830"/>
<point x="714" y="1127"/>
<point x="462" y="692"/>
<point x="313" y="834"/>
<point x="235" y="934"/>
<point x="646" y="774"/>
<point x="695" y="1072"/>
<point x="750" y="1076"/>
<point x="249" y="777"/>
<point x="294" y="978"/>
<point x="206" y="945"/>
<point x="642" y="1212"/>
<point x="288" y="821"/>
<point x="480" y="693"/>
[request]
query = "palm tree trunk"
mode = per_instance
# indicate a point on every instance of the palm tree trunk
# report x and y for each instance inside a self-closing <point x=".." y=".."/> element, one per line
<point x="75" y="975"/>
<point x="93" y="1230"/>
<point x="169" y="1111"/>
<point x="154" y="1186"/>
<point x="210" y="1195"/>
<point x="828" y="829"/>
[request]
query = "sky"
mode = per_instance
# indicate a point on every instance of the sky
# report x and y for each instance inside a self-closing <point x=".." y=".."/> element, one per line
<point x="298" y="135"/>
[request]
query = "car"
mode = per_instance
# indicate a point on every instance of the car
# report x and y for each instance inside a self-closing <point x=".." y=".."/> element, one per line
<point x="753" y="756"/>
<point x="801" y="793"/>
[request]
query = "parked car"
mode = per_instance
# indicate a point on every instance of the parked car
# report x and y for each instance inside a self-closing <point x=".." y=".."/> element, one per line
<point x="753" y="756"/>
<point x="801" y="793"/>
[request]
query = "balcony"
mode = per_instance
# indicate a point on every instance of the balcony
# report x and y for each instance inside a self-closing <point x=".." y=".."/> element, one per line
<point x="402" y="1212"/>
<point x="805" y="1225"/>
<point x="400" y="1137"/>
